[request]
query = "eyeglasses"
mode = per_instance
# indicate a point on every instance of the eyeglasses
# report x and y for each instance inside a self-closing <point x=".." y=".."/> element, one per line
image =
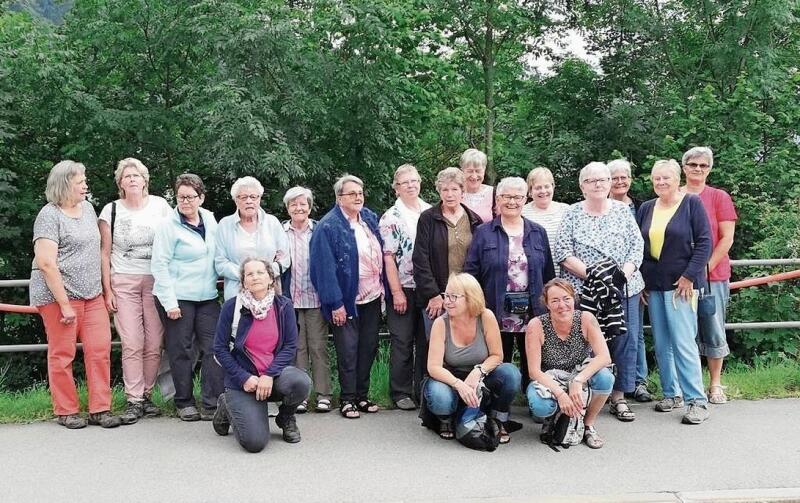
<point x="451" y="297"/>
<point x="616" y="179"/>
<point x="186" y="199"/>
<point x="251" y="197"/>
<point x="509" y="197"/>
<point x="593" y="181"/>
<point x="694" y="165"/>
<point x="354" y="193"/>
<point x="131" y="176"/>
<point x="408" y="183"/>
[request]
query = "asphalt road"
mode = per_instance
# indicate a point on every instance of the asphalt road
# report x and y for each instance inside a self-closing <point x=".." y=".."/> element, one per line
<point x="746" y="445"/>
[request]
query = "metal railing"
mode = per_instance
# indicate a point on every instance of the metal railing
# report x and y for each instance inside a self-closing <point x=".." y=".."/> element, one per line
<point x="755" y="325"/>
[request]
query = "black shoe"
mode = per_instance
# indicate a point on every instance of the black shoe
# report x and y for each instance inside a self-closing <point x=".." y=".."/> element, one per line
<point x="133" y="412"/>
<point x="104" y="419"/>
<point x="150" y="409"/>
<point x="207" y="414"/>
<point x="289" y="426"/>
<point x="221" y="421"/>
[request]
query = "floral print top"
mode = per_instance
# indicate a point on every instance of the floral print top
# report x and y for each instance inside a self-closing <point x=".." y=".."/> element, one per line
<point x="517" y="282"/>
<point x="398" y="239"/>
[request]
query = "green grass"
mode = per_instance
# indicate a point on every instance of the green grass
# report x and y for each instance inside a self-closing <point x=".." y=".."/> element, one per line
<point x="774" y="379"/>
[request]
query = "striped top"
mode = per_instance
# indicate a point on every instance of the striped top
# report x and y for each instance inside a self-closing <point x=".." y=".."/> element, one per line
<point x="550" y="220"/>
<point x="302" y="293"/>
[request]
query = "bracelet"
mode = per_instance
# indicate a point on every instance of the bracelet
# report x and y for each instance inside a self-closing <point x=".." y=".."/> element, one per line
<point x="480" y="369"/>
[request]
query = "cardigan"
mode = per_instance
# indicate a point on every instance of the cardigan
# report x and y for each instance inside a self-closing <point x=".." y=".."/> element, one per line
<point x="687" y="245"/>
<point x="431" y="269"/>
<point x="334" y="260"/>
<point x="487" y="260"/>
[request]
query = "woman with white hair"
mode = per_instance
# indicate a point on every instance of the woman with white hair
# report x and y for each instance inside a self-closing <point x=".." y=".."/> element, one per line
<point x="510" y="257"/>
<point x="542" y="209"/>
<point x="600" y="234"/>
<point x="347" y="271"/>
<point x="477" y="195"/>
<point x="312" y="340"/>
<point x="66" y="289"/>
<point x="249" y="232"/>
<point x="127" y="228"/>
<point x="404" y="314"/>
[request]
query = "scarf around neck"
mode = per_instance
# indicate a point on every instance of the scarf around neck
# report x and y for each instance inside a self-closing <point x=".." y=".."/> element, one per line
<point x="258" y="308"/>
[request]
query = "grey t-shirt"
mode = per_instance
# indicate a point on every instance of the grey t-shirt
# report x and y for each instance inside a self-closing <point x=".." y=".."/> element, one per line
<point x="464" y="358"/>
<point x="78" y="258"/>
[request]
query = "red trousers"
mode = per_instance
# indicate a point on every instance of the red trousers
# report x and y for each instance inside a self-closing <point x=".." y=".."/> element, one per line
<point x="93" y="329"/>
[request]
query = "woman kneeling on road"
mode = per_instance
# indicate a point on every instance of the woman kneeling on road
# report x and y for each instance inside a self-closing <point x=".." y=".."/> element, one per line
<point x="563" y="339"/>
<point x="255" y="343"/>
<point x="465" y="349"/>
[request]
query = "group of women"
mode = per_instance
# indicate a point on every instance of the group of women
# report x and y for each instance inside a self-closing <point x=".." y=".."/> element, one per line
<point x="466" y="282"/>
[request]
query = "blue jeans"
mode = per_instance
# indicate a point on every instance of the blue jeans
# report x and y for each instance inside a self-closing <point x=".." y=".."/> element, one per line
<point x="601" y="384"/>
<point x="711" y="331"/>
<point x="674" y="330"/>
<point x="623" y="348"/>
<point x="641" y="353"/>
<point x="503" y="383"/>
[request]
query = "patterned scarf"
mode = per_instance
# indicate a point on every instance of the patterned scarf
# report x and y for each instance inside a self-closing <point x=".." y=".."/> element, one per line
<point x="258" y="308"/>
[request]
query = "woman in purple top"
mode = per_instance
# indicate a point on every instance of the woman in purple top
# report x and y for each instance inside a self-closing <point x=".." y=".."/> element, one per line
<point x="255" y="343"/>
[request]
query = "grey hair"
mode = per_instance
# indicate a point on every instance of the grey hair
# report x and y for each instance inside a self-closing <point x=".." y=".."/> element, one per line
<point x="130" y="162"/>
<point x="296" y="192"/>
<point x="695" y="152"/>
<point x="59" y="180"/>
<point x="591" y="168"/>
<point x="339" y="185"/>
<point x="405" y="168"/>
<point x="472" y="156"/>
<point x="264" y="261"/>
<point x="510" y="183"/>
<point x="449" y="175"/>
<point x="620" y="165"/>
<point x="246" y="182"/>
<point x="667" y="163"/>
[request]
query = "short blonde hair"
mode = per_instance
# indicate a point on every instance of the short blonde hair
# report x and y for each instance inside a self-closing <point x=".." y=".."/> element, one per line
<point x="537" y="174"/>
<point x="667" y="163"/>
<point x="130" y="162"/>
<point x="473" y="293"/>
<point x="59" y="181"/>
<point x="449" y="175"/>
<point x="472" y="156"/>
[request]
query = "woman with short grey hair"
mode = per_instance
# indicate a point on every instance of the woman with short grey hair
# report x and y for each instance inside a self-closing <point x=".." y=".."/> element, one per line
<point x="599" y="232"/>
<point x="66" y="289"/>
<point x="248" y="232"/>
<point x="312" y="340"/>
<point x="477" y="195"/>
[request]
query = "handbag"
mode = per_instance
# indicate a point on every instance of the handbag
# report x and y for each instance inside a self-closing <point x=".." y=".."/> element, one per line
<point x="516" y="303"/>
<point x="706" y="302"/>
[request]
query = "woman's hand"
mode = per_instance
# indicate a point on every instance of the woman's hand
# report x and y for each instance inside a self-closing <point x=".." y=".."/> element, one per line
<point x="174" y="314"/>
<point x="339" y="316"/>
<point x="399" y="302"/>
<point x="264" y="388"/>
<point x="472" y="379"/>
<point x="567" y="405"/>
<point x="68" y="315"/>
<point x="467" y="393"/>
<point x="576" y="394"/>
<point x="250" y="384"/>
<point x="111" y="302"/>
<point x="684" y="288"/>
<point x="434" y="308"/>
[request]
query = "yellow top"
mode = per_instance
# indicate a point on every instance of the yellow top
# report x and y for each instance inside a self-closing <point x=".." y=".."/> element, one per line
<point x="661" y="217"/>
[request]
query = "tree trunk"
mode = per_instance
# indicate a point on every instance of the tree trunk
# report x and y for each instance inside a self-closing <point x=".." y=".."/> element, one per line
<point x="488" y="96"/>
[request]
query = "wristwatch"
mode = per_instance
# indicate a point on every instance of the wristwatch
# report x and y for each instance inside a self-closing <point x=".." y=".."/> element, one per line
<point x="480" y="369"/>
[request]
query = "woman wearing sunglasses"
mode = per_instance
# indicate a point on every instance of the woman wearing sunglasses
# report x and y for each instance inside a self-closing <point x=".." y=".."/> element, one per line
<point x="464" y="350"/>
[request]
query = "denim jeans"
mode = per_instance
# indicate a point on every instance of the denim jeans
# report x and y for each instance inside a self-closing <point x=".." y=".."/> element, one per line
<point x="503" y="383"/>
<point x="601" y="384"/>
<point x="674" y="324"/>
<point x="641" y="352"/>
<point x="624" y="348"/>
<point x="711" y="331"/>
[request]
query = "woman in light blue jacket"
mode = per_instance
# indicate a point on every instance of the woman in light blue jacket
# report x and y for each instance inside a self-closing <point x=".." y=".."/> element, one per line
<point x="249" y="232"/>
<point x="186" y="296"/>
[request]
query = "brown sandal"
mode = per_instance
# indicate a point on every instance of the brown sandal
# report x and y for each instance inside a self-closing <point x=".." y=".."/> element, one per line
<point x="716" y="394"/>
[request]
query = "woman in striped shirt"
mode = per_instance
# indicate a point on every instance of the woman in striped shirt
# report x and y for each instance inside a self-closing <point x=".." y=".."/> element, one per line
<point x="542" y="209"/>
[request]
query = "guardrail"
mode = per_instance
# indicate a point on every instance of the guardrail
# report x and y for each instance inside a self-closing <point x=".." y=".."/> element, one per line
<point x="756" y="325"/>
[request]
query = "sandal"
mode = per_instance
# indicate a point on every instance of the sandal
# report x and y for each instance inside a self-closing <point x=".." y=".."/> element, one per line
<point x="621" y="411"/>
<point x="716" y="394"/>
<point x="592" y="439"/>
<point x="446" y="429"/>
<point x="367" y="406"/>
<point x="323" y="405"/>
<point x="302" y="408"/>
<point x="348" y="410"/>
<point x="503" y="435"/>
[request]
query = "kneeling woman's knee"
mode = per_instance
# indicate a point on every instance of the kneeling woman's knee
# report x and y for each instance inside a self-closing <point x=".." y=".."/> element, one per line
<point x="602" y="382"/>
<point x="440" y="398"/>
<point x="253" y="443"/>
<point x="509" y="375"/>
<point x="540" y="407"/>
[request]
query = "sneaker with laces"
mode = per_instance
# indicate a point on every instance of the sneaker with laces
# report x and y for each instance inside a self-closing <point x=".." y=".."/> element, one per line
<point x="188" y="413"/>
<point x="133" y="412"/>
<point x="72" y="421"/>
<point x="221" y="421"/>
<point x="207" y="414"/>
<point x="150" y="409"/>
<point x="289" y="426"/>
<point x="696" y="414"/>
<point x="104" y="419"/>
<point x="640" y="393"/>
<point x="667" y="404"/>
